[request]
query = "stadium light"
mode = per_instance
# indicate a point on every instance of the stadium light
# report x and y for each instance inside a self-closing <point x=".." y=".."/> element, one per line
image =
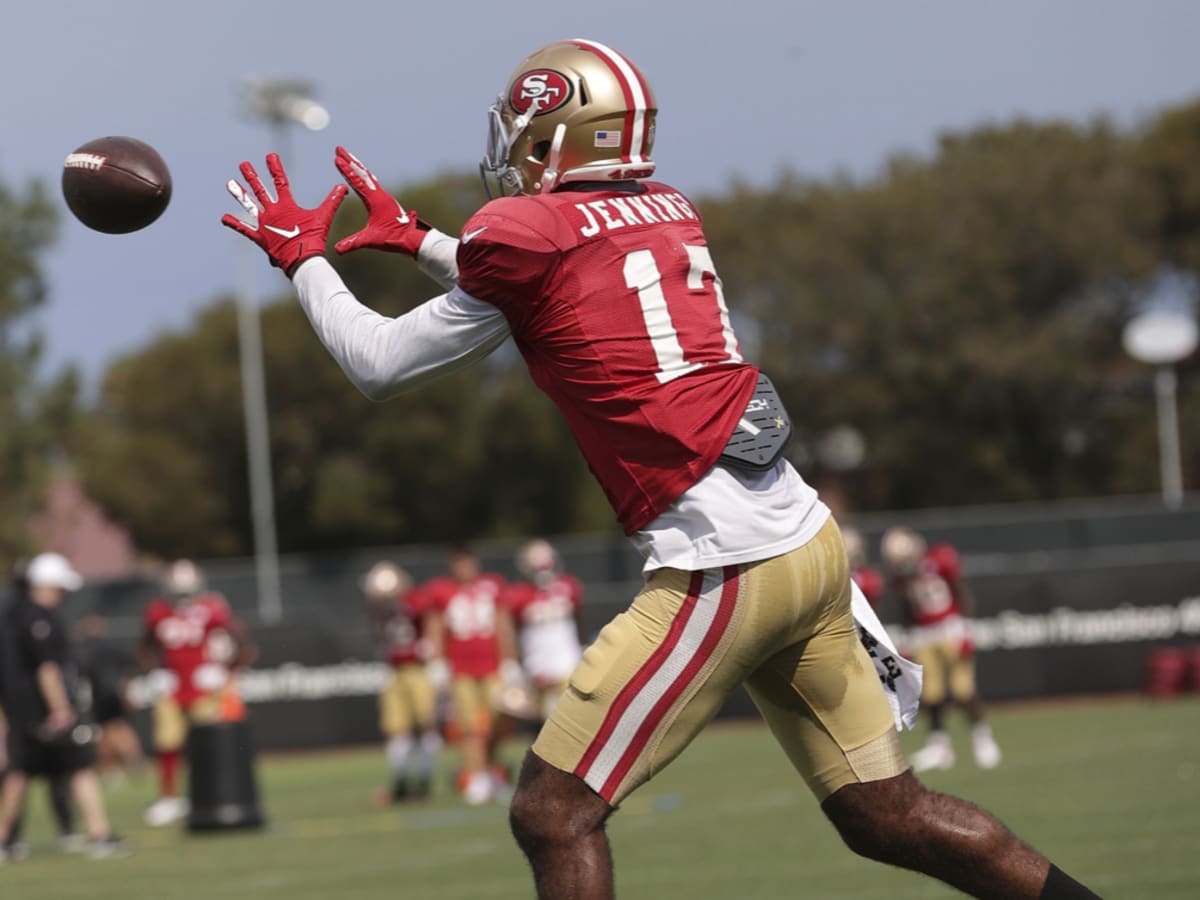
<point x="280" y="103"/>
<point x="1162" y="338"/>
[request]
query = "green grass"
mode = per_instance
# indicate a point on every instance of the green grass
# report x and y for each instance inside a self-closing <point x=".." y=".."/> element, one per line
<point x="1110" y="790"/>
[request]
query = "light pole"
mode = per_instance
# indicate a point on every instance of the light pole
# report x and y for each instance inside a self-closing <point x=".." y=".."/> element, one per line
<point x="279" y="103"/>
<point x="1162" y="338"/>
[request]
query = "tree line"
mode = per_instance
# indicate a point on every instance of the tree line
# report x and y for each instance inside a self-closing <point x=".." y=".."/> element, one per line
<point x="960" y="313"/>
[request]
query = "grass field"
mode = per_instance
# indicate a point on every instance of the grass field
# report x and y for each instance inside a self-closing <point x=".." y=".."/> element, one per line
<point x="1109" y="789"/>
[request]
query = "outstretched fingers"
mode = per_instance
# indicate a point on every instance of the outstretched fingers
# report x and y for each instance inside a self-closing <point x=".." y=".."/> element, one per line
<point x="358" y="175"/>
<point x="275" y="166"/>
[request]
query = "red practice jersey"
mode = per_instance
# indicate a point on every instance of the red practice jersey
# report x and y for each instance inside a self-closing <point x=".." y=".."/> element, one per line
<point x="870" y="582"/>
<point x="469" y="614"/>
<point x="614" y="302"/>
<point x="537" y="604"/>
<point x="188" y="636"/>
<point x="929" y="593"/>
<point x="402" y="629"/>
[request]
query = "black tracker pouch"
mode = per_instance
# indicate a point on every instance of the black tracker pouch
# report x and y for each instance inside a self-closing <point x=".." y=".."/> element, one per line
<point x="761" y="436"/>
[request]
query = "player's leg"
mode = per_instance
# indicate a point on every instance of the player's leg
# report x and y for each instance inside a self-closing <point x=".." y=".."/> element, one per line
<point x="395" y="721"/>
<point x="169" y="734"/>
<point x="558" y="821"/>
<point x="470" y="700"/>
<point x="649" y="683"/>
<point x="12" y="802"/>
<point x="424" y="711"/>
<point x="823" y="701"/>
<point x="900" y="822"/>
<point x="938" y="752"/>
<point x="59" y="785"/>
<point x="965" y="693"/>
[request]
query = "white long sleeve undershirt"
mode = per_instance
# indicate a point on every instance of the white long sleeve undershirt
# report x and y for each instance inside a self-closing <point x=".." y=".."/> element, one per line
<point x="384" y="356"/>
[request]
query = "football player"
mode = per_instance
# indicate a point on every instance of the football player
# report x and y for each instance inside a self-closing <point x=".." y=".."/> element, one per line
<point x="606" y="282"/>
<point x="546" y="611"/>
<point x="868" y="579"/>
<point x="936" y="603"/>
<point x="473" y="655"/>
<point x="191" y="645"/>
<point x="407" y="708"/>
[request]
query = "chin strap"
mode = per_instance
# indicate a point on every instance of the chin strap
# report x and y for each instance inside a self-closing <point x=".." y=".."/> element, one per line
<point x="549" y="178"/>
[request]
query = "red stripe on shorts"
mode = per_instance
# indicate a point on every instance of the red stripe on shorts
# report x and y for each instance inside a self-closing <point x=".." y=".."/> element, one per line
<point x="716" y="630"/>
<point x="641" y="677"/>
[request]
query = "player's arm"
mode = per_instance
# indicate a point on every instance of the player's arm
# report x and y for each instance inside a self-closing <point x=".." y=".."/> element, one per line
<point x="381" y="356"/>
<point x="385" y="356"/>
<point x="246" y="649"/>
<point x="147" y="652"/>
<point x="54" y="693"/>
<point x="437" y="667"/>
<point x="506" y="634"/>
<point x="40" y="650"/>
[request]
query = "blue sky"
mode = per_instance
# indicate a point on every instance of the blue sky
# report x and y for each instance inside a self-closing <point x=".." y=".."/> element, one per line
<point x="745" y="89"/>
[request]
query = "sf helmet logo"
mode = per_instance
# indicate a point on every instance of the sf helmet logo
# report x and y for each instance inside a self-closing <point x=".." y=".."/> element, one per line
<point x="541" y="90"/>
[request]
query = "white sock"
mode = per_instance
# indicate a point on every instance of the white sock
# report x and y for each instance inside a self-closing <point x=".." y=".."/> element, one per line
<point x="398" y="749"/>
<point x="431" y="743"/>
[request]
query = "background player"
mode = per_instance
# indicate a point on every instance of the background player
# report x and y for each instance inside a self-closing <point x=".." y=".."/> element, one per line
<point x="936" y="603"/>
<point x="607" y="286"/>
<point x="407" y="706"/>
<point x="868" y="579"/>
<point x="546" y="612"/>
<point x="472" y="652"/>
<point x="194" y="642"/>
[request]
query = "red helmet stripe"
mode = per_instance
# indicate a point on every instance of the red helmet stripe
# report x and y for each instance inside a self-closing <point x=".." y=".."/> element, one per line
<point x="633" y="140"/>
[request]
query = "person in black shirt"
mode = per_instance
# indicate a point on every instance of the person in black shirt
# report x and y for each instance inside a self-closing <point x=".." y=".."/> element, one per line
<point x="37" y="681"/>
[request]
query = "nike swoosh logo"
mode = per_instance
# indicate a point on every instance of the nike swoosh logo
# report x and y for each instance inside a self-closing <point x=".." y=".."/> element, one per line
<point x="284" y="233"/>
<point x="403" y="220"/>
<point x="470" y="234"/>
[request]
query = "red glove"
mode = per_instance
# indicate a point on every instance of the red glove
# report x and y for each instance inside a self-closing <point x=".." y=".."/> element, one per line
<point x="388" y="226"/>
<point x="289" y="234"/>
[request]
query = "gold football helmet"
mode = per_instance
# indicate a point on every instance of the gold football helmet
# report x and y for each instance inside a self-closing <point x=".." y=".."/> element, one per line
<point x="537" y="559"/>
<point x="183" y="578"/>
<point x="856" y="547"/>
<point x="385" y="581"/>
<point x="902" y="549"/>
<point x="574" y="111"/>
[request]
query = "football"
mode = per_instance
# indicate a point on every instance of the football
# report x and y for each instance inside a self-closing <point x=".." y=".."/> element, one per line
<point x="116" y="184"/>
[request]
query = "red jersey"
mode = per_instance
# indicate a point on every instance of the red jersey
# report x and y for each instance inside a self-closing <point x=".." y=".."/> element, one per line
<point x="401" y="629"/>
<point x="189" y="636"/>
<point x="469" y="614"/>
<point x="870" y="582"/>
<point x="536" y="604"/>
<point x="929" y="593"/>
<point x="614" y="302"/>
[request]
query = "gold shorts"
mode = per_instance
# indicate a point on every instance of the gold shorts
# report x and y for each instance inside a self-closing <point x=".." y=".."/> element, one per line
<point x="170" y="720"/>
<point x="657" y="674"/>
<point x="474" y="701"/>
<point x="946" y="668"/>
<point x="407" y="702"/>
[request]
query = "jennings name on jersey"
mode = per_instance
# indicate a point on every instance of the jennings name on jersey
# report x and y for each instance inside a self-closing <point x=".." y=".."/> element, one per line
<point x="612" y="298"/>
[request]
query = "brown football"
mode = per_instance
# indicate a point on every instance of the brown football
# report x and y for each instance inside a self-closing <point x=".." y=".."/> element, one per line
<point x="116" y="184"/>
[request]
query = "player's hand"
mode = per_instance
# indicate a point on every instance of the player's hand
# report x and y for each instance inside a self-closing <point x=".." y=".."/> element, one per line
<point x="289" y="234"/>
<point x="437" y="670"/>
<point x="966" y="647"/>
<point x="58" y="721"/>
<point x="389" y="226"/>
<point x="511" y="673"/>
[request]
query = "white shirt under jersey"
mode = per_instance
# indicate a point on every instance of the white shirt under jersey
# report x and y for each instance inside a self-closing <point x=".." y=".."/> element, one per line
<point x="728" y="517"/>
